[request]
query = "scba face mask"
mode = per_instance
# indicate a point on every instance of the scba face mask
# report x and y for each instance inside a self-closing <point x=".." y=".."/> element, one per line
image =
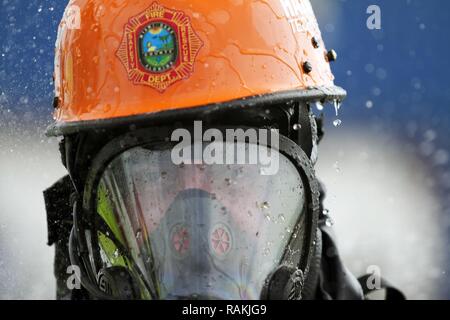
<point x="196" y="231"/>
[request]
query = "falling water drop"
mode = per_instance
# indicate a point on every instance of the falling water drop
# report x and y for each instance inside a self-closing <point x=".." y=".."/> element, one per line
<point x="329" y="222"/>
<point x="319" y="106"/>
<point x="336" y="167"/>
<point x="337" y="107"/>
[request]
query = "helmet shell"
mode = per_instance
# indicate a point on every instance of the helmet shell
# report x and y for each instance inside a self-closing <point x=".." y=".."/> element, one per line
<point x="219" y="51"/>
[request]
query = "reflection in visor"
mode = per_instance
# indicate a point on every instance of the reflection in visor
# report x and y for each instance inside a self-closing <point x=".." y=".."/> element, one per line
<point x="213" y="231"/>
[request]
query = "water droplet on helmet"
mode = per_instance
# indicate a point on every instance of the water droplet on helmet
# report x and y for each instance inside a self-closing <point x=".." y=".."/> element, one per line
<point x="337" y="122"/>
<point x="297" y="127"/>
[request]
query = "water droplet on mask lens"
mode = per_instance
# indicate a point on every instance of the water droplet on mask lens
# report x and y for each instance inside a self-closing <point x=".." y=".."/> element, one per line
<point x="296" y="127"/>
<point x="268" y="217"/>
<point x="281" y="218"/>
<point x="337" y="123"/>
<point x="319" y="106"/>
<point x="266" y="252"/>
<point x="288" y="230"/>
<point x="116" y="253"/>
<point x="326" y="212"/>
<point x="265" y="205"/>
<point x="228" y="181"/>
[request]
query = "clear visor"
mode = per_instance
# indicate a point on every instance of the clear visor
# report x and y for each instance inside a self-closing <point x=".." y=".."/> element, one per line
<point x="192" y="230"/>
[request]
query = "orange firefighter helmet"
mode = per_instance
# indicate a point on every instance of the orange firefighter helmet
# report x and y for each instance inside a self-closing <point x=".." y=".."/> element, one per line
<point x="123" y="58"/>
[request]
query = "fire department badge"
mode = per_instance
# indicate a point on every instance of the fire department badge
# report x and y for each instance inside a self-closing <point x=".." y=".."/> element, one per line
<point x="159" y="47"/>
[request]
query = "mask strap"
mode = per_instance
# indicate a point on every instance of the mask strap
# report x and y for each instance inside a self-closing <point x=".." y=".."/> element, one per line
<point x="303" y="134"/>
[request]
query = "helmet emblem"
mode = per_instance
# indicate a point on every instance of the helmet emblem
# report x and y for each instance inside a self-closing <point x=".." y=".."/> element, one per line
<point x="159" y="47"/>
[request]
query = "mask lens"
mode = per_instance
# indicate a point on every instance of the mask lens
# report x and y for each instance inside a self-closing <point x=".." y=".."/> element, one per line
<point x="210" y="231"/>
